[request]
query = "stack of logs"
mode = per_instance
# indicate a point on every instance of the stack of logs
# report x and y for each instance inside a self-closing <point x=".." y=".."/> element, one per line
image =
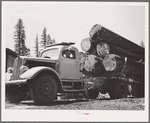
<point x="107" y="53"/>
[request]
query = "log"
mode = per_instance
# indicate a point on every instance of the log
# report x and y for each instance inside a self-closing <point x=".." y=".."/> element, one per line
<point x="125" y="53"/>
<point x="82" y="60"/>
<point x="102" y="49"/>
<point x="94" y="29"/>
<point x="110" y="62"/>
<point x="133" y="69"/>
<point x="87" y="45"/>
<point x="99" y="34"/>
<point x="90" y="62"/>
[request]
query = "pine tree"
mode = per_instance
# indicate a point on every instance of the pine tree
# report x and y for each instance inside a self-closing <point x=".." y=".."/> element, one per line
<point x="48" y="42"/>
<point x="44" y="38"/>
<point x="27" y="52"/>
<point x="19" y="36"/>
<point x="53" y="41"/>
<point x="36" y="47"/>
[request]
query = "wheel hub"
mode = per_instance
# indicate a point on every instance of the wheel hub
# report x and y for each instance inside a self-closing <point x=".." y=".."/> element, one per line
<point x="46" y="88"/>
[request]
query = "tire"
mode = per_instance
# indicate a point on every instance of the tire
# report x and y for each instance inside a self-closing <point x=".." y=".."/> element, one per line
<point x="139" y="90"/>
<point x="120" y="89"/>
<point x="91" y="93"/>
<point x="111" y="90"/>
<point x="43" y="89"/>
<point x="14" y="94"/>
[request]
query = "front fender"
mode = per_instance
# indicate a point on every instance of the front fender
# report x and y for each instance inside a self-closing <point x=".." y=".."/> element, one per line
<point x="33" y="72"/>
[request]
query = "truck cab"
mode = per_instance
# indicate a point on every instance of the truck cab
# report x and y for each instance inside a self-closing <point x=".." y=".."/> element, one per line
<point x="67" y="60"/>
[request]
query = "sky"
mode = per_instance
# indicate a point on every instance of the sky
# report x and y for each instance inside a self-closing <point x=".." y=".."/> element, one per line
<point x="71" y="21"/>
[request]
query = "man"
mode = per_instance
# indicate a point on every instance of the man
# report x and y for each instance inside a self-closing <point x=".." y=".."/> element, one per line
<point x="8" y="74"/>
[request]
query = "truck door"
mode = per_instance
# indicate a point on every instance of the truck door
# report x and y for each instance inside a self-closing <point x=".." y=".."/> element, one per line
<point x="69" y="64"/>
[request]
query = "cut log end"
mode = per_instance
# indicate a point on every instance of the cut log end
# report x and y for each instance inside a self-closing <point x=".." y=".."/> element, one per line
<point x="86" y="44"/>
<point x="103" y="49"/>
<point x="110" y="62"/>
<point x="94" y="29"/>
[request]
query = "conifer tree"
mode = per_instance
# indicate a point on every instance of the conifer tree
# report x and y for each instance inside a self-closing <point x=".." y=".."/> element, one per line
<point x="36" y="47"/>
<point x="19" y="36"/>
<point x="48" y="42"/>
<point x="44" y="38"/>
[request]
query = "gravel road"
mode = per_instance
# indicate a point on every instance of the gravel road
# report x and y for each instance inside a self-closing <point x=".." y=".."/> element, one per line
<point x="129" y="103"/>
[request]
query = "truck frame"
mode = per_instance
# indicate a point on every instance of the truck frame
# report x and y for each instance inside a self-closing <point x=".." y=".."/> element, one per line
<point x="57" y="70"/>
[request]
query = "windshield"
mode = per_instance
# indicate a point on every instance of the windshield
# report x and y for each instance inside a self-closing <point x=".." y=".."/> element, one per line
<point x="51" y="53"/>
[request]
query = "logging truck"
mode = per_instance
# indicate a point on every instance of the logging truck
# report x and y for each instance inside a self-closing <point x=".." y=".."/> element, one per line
<point x="57" y="70"/>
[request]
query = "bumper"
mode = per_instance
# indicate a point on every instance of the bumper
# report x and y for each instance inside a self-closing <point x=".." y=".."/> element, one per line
<point x="16" y="82"/>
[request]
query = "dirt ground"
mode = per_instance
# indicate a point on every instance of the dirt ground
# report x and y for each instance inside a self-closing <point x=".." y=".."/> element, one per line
<point x="130" y="103"/>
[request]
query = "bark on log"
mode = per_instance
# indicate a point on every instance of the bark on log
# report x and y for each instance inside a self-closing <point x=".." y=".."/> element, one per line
<point x="125" y="53"/>
<point x="99" y="33"/>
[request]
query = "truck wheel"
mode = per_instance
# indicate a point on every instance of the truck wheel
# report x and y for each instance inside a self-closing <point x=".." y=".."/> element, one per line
<point x="43" y="89"/>
<point x="120" y="89"/>
<point x="14" y="95"/>
<point x="139" y="90"/>
<point x="91" y="94"/>
<point x="111" y="90"/>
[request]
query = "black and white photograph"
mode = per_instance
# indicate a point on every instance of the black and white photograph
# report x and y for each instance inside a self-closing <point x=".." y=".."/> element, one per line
<point x="75" y="61"/>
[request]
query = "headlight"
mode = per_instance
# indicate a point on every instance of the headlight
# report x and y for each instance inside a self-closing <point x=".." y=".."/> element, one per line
<point x="23" y="68"/>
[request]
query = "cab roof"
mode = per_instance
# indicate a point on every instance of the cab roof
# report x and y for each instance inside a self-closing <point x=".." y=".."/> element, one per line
<point x="59" y="46"/>
<point x="62" y="43"/>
